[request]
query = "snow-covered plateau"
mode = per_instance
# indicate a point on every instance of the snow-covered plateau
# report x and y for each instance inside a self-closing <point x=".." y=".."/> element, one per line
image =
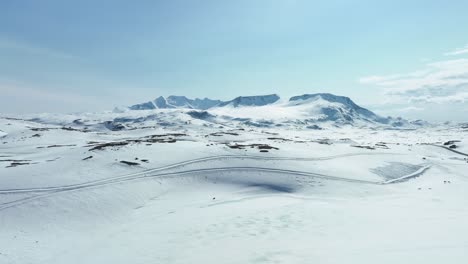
<point x="311" y="179"/>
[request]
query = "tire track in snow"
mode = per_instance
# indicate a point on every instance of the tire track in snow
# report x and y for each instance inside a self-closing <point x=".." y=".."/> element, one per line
<point x="449" y="149"/>
<point x="48" y="191"/>
<point x="175" y="174"/>
<point x="177" y="165"/>
<point x="168" y="174"/>
<point x="207" y="170"/>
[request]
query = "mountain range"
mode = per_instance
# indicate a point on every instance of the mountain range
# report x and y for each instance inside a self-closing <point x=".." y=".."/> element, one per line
<point x="318" y="107"/>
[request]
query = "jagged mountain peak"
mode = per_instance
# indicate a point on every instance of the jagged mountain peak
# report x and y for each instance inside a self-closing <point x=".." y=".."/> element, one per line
<point x="161" y="102"/>
<point x="176" y="101"/>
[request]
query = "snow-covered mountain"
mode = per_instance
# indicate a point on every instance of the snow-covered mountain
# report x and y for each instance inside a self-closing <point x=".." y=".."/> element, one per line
<point x="174" y="101"/>
<point x="306" y="109"/>
<point x="329" y="107"/>
<point x="184" y="102"/>
<point x="143" y="106"/>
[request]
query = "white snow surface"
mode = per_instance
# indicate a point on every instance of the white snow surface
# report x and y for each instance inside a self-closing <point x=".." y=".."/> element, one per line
<point x="230" y="185"/>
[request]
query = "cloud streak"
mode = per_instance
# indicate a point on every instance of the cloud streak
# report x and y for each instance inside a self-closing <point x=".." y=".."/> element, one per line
<point x="458" y="51"/>
<point x="438" y="82"/>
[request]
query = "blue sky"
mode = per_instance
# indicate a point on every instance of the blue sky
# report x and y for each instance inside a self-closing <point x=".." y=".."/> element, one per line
<point x="395" y="57"/>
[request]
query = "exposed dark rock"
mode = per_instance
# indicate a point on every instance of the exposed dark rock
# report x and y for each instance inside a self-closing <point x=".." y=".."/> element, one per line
<point x="163" y="138"/>
<point x="14" y="164"/>
<point x="364" y="147"/>
<point x="129" y="163"/>
<point x="109" y="144"/>
<point x="451" y="142"/>
<point x="219" y="134"/>
<point x="258" y="146"/>
<point x="203" y="115"/>
<point x="315" y="127"/>
<point x="59" y="146"/>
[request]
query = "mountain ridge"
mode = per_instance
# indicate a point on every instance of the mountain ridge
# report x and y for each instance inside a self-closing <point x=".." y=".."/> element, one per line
<point x="178" y="101"/>
<point x="315" y="107"/>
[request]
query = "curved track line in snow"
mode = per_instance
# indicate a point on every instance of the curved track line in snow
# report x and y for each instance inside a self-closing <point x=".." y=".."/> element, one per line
<point x="180" y="164"/>
<point x="177" y="173"/>
<point x="58" y="190"/>
<point x="449" y="149"/>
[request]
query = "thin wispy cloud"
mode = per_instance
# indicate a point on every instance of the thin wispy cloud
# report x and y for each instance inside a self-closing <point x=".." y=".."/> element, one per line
<point x="458" y="51"/>
<point x="438" y="82"/>
<point x="410" y="109"/>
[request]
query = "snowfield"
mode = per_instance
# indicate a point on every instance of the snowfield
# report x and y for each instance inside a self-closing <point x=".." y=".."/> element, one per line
<point x="264" y="184"/>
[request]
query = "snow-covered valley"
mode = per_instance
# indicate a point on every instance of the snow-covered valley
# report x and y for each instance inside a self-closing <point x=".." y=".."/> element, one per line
<point x="273" y="182"/>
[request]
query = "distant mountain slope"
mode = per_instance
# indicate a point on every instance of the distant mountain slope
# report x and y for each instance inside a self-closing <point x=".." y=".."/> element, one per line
<point x="184" y="102"/>
<point x="161" y="102"/>
<point x="174" y="101"/>
<point x="329" y="107"/>
<point x="143" y="106"/>
<point x="259" y="100"/>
